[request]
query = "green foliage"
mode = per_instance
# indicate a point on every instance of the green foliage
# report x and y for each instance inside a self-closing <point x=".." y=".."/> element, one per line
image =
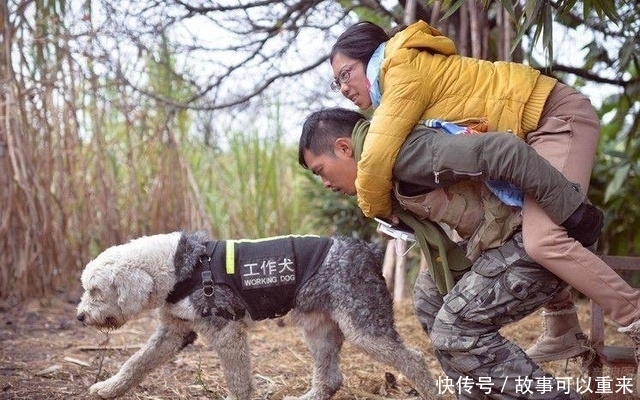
<point x="616" y="176"/>
<point x="252" y="187"/>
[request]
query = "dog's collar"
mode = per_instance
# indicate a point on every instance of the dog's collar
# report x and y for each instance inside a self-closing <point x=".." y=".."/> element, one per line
<point x="202" y="277"/>
<point x="183" y="288"/>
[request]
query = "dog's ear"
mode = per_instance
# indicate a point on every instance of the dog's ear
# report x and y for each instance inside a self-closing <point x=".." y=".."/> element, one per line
<point x="190" y="248"/>
<point x="134" y="288"/>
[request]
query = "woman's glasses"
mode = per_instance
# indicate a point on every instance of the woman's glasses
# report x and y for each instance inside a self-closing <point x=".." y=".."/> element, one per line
<point x="343" y="77"/>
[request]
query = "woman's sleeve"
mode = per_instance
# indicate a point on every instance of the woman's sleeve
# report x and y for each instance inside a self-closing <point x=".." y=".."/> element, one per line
<point x="404" y="100"/>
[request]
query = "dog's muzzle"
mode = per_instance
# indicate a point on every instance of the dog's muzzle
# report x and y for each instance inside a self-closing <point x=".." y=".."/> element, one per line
<point x="109" y="323"/>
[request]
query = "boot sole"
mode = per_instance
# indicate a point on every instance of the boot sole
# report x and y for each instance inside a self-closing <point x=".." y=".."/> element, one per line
<point x="570" y="353"/>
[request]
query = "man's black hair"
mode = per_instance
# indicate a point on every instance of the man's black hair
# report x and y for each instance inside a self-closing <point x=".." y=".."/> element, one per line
<point x="321" y="129"/>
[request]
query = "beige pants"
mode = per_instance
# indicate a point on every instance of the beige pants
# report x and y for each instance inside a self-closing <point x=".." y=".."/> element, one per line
<point x="568" y="136"/>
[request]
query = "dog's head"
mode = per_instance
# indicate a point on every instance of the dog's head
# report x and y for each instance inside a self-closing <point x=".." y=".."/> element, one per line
<point x="123" y="280"/>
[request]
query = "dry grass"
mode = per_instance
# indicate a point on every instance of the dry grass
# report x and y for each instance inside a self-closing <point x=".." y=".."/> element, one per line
<point x="46" y="354"/>
<point x="88" y="163"/>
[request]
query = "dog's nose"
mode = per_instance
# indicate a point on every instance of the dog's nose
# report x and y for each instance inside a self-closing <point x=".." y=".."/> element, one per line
<point x="81" y="317"/>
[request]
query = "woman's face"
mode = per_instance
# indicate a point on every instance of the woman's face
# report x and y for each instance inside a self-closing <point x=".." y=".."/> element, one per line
<point x="351" y="79"/>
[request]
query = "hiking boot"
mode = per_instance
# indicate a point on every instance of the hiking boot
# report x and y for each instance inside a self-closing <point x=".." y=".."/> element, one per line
<point x="633" y="331"/>
<point x="561" y="338"/>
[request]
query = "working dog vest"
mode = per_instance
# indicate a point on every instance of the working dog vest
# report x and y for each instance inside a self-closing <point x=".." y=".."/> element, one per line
<point x="264" y="273"/>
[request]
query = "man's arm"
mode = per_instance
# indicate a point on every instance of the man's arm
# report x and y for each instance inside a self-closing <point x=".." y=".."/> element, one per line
<point x="433" y="158"/>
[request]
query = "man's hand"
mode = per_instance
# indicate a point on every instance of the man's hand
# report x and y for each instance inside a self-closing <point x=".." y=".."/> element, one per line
<point x="395" y="230"/>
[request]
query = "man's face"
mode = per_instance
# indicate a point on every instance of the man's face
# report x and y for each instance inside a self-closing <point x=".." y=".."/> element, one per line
<point x="337" y="170"/>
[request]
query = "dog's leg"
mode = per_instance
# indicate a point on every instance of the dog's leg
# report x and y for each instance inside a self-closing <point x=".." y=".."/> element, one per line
<point x="161" y="347"/>
<point x="324" y="339"/>
<point x="232" y="346"/>
<point x="381" y="341"/>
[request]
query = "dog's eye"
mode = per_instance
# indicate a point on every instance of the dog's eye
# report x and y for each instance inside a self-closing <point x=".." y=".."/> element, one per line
<point x="94" y="292"/>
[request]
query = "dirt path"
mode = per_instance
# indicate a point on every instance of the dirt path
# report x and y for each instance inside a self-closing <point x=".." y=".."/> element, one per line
<point x="46" y="354"/>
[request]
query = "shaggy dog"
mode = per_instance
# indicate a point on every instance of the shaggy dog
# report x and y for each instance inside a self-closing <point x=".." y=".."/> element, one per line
<point x="345" y="297"/>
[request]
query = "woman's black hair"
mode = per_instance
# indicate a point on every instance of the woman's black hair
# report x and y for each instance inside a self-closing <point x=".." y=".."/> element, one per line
<point x="321" y="129"/>
<point x="359" y="41"/>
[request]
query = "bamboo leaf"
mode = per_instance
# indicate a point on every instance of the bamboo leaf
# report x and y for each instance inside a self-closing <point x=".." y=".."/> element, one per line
<point x="608" y="8"/>
<point x="452" y="9"/>
<point x="619" y="179"/>
<point x="508" y="6"/>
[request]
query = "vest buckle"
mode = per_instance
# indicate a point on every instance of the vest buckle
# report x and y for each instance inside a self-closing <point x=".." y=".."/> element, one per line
<point x="207" y="283"/>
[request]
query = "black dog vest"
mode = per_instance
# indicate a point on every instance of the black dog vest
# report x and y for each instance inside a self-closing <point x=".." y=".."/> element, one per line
<point x="264" y="273"/>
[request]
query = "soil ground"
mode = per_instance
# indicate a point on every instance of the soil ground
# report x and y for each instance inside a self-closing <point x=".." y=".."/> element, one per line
<point x="46" y="354"/>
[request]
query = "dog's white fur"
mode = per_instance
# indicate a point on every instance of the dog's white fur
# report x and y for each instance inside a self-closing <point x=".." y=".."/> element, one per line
<point x="127" y="279"/>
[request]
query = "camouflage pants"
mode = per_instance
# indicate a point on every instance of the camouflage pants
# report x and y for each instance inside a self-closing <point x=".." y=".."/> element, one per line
<point x="504" y="285"/>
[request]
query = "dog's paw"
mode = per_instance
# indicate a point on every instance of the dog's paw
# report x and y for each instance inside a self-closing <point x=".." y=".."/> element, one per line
<point x="107" y="389"/>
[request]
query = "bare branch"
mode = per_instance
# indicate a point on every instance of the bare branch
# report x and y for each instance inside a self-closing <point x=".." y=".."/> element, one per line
<point x="583" y="73"/>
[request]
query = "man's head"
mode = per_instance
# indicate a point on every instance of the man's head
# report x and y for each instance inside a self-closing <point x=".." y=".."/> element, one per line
<point x="326" y="148"/>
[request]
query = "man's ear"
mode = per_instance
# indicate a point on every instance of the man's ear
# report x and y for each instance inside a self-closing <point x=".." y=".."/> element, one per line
<point x="343" y="146"/>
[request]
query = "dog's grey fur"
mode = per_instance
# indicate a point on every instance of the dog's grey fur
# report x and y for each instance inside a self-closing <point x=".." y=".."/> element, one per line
<point x="346" y="299"/>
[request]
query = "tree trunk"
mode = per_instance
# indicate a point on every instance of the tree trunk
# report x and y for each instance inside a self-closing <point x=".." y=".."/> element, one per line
<point x="401" y="270"/>
<point x="389" y="264"/>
